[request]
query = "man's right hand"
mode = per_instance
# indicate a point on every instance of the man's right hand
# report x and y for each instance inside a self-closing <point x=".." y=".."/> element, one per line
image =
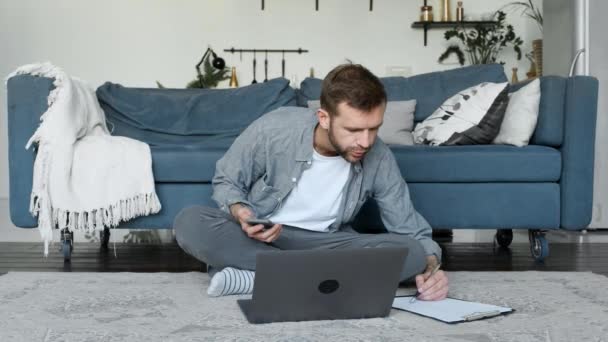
<point x="257" y="232"/>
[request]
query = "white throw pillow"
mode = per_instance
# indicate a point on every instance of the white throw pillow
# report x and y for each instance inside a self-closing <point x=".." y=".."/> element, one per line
<point x="521" y="116"/>
<point x="472" y="116"/>
<point x="398" y="121"/>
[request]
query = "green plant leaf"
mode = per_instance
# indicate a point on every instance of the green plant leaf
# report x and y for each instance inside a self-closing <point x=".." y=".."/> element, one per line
<point x="483" y="43"/>
<point x="210" y="77"/>
<point x="451" y="33"/>
<point x="453" y="49"/>
<point x="518" y="50"/>
<point x="527" y="9"/>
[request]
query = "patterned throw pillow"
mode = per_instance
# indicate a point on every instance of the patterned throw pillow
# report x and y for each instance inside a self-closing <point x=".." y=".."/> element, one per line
<point x="473" y="116"/>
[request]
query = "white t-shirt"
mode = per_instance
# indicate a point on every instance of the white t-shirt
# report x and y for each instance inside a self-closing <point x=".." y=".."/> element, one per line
<point x="314" y="202"/>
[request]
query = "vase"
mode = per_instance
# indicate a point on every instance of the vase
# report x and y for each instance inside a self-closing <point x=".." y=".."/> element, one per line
<point x="445" y="11"/>
<point x="234" y="82"/>
<point x="537" y="51"/>
<point x="514" y="77"/>
<point x="426" y="13"/>
<point x="459" y="12"/>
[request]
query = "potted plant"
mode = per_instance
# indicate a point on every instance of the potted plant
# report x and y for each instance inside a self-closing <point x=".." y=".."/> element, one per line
<point x="532" y="11"/>
<point x="214" y="71"/>
<point x="529" y="10"/>
<point x="482" y="43"/>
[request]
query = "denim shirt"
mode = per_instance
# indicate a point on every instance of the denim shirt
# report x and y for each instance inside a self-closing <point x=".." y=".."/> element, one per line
<point x="266" y="161"/>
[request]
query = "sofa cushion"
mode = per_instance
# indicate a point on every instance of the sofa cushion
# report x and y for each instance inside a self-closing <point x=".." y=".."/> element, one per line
<point x="429" y="90"/>
<point x="476" y="205"/>
<point x="478" y="163"/>
<point x="189" y="116"/>
<point x="418" y="163"/>
<point x="185" y="164"/>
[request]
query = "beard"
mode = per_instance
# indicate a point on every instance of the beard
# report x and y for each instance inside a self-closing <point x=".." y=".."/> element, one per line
<point x="348" y="153"/>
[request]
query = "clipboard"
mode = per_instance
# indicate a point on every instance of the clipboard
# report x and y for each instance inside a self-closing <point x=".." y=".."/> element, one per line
<point x="450" y="310"/>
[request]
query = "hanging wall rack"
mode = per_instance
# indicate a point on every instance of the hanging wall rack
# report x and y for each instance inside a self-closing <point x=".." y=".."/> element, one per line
<point x="234" y="50"/>
<point x="266" y="52"/>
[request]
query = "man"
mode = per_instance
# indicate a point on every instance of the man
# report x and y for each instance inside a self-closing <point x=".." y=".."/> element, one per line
<point x="310" y="175"/>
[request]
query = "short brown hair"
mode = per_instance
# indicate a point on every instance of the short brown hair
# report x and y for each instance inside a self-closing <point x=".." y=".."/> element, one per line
<point x="353" y="84"/>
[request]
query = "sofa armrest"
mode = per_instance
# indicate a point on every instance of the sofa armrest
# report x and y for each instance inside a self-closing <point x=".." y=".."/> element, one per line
<point x="27" y="100"/>
<point x="578" y="150"/>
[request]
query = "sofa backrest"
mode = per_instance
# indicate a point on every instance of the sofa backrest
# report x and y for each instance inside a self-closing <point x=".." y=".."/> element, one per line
<point x="189" y="116"/>
<point x="431" y="89"/>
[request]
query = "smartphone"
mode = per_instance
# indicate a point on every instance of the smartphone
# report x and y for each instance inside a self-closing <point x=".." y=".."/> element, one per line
<point x="267" y="223"/>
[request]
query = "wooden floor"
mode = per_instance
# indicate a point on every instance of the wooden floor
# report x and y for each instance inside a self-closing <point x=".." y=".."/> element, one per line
<point x="87" y="257"/>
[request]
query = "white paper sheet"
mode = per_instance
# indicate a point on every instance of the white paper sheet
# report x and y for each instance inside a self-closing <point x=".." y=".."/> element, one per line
<point x="449" y="310"/>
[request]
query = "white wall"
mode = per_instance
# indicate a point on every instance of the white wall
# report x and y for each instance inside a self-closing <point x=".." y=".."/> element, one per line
<point x="598" y="67"/>
<point x="136" y="42"/>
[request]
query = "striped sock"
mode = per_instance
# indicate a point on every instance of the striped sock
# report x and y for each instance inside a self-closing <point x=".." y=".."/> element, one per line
<point x="231" y="281"/>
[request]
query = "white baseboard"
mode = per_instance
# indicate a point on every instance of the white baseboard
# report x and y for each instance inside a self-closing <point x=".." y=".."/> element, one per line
<point x="8" y="231"/>
<point x="598" y="217"/>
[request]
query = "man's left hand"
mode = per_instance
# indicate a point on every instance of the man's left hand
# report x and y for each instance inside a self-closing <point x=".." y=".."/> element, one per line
<point x="432" y="287"/>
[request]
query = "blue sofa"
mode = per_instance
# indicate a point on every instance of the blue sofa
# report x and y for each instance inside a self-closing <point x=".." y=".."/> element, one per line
<point x="546" y="185"/>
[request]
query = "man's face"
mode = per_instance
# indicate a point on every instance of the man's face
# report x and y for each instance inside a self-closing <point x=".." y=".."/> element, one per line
<point x="352" y="132"/>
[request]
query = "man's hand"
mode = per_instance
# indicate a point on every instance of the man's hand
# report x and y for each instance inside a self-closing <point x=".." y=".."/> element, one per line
<point x="433" y="287"/>
<point x="257" y="232"/>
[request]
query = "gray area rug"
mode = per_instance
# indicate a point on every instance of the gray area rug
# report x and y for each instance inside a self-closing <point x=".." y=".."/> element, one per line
<point x="551" y="306"/>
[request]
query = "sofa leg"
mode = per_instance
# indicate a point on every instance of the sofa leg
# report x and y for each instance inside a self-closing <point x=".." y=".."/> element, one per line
<point x="539" y="246"/>
<point x="104" y="237"/>
<point x="67" y="244"/>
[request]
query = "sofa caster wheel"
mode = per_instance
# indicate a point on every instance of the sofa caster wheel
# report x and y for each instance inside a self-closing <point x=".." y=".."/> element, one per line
<point x="67" y="244"/>
<point x="503" y="237"/>
<point x="104" y="237"/>
<point x="66" y="248"/>
<point x="539" y="246"/>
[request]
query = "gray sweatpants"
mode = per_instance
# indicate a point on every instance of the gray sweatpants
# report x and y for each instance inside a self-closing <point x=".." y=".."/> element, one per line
<point x="215" y="238"/>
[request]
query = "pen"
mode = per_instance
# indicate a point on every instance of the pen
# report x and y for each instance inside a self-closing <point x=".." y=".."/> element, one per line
<point x="417" y="292"/>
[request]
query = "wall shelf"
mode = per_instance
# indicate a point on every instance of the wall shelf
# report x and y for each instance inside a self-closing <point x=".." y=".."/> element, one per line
<point x="426" y="25"/>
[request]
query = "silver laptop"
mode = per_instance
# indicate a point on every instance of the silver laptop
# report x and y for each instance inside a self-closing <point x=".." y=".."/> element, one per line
<point x="310" y="285"/>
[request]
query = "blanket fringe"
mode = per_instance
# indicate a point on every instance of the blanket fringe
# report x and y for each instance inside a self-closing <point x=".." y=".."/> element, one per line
<point x="50" y="217"/>
<point x="97" y="219"/>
